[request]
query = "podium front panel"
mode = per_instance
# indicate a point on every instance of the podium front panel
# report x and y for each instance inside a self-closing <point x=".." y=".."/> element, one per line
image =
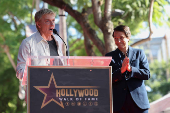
<point x="65" y="89"/>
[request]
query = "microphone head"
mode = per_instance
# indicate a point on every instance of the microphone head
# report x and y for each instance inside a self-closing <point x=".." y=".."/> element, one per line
<point x="55" y="31"/>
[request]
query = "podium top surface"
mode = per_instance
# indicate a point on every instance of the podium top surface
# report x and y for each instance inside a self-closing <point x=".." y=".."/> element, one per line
<point x="68" y="61"/>
<point x="65" y="61"/>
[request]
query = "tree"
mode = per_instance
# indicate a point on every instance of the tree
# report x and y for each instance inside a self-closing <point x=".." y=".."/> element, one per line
<point x="95" y="17"/>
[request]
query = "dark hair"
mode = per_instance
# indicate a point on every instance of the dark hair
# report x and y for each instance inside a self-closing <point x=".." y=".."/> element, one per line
<point x="124" y="29"/>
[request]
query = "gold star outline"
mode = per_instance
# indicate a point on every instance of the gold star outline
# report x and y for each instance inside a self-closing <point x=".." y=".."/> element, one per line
<point x="44" y="104"/>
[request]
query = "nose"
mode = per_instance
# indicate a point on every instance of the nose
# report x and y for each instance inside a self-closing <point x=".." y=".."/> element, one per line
<point x="52" y="23"/>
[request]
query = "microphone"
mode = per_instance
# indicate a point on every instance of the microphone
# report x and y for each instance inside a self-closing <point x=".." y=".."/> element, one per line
<point x="55" y="32"/>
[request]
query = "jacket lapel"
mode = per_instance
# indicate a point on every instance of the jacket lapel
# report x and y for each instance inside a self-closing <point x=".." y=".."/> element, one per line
<point x="131" y="54"/>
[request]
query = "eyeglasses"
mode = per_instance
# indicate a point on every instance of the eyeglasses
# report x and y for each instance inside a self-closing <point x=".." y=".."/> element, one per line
<point x="119" y="38"/>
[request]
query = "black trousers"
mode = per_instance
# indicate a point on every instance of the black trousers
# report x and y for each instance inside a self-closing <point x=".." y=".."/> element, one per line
<point x="130" y="106"/>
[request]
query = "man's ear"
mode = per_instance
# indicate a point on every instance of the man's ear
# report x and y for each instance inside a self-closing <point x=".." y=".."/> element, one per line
<point x="38" y="25"/>
<point x="128" y="39"/>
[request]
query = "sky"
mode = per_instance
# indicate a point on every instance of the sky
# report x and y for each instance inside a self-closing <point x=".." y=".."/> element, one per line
<point x="157" y="32"/>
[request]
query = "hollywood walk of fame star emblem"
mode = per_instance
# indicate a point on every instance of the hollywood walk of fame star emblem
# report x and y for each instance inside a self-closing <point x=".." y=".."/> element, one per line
<point x="49" y="92"/>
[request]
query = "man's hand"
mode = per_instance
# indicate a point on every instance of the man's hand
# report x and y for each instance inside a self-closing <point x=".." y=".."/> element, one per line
<point x="129" y="68"/>
<point x="125" y="64"/>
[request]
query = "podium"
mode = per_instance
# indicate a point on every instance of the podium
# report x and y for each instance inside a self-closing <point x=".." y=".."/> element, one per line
<point x="65" y="84"/>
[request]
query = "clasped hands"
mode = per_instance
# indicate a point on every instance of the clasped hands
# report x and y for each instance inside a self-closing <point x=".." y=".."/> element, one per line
<point x="126" y="65"/>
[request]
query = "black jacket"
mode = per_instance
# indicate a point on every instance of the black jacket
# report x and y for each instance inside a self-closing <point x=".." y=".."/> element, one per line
<point x="133" y="82"/>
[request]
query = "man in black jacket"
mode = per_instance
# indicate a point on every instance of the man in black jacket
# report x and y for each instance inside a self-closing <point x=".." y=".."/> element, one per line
<point x="130" y="68"/>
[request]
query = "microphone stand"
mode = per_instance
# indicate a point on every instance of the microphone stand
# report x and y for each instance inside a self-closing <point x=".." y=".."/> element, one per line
<point x="55" y="32"/>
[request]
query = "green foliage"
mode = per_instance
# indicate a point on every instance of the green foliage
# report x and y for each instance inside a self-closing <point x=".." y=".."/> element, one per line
<point x="13" y="17"/>
<point x="9" y="86"/>
<point x="158" y="82"/>
<point x="137" y="12"/>
<point x="165" y="87"/>
<point x="79" y="45"/>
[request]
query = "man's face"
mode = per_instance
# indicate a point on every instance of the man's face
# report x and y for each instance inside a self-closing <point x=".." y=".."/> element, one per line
<point x="46" y="24"/>
<point x="121" y="40"/>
